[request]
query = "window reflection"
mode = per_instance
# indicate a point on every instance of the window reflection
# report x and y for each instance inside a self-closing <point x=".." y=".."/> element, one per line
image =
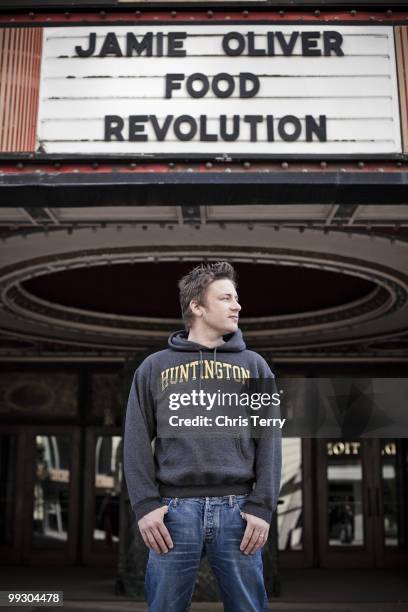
<point x="388" y="473"/>
<point x="290" y="519"/>
<point x="51" y="491"/>
<point x="344" y="484"/>
<point x="394" y="472"/>
<point x="108" y="472"/>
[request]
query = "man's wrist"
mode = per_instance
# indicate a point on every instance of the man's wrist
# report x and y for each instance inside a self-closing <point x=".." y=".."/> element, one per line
<point x="257" y="510"/>
<point x="143" y="508"/>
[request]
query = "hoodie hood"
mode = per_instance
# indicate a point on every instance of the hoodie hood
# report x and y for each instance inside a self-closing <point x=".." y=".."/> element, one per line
<point x="233" y="343"/>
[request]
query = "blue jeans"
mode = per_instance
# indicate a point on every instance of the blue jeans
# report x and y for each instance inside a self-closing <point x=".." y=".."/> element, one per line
<point x="211" y="526"/>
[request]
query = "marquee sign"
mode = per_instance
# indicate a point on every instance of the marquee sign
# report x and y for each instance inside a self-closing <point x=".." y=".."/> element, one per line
<point x="216" y="89"/>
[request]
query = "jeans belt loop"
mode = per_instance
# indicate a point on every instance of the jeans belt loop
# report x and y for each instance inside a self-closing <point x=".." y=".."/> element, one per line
<point x="231" y="500"/>
<point x="175" y="501"/>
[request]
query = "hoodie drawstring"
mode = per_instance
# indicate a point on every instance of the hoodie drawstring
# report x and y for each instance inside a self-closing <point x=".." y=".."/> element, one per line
<point x="201" y="367"/>
<point x="201" y="363"/>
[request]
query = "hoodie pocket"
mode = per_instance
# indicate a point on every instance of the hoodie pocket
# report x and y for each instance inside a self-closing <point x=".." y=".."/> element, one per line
<point x="239" y="448"/>
<point x="203" y="461"/>
<point x="163" y="450"/>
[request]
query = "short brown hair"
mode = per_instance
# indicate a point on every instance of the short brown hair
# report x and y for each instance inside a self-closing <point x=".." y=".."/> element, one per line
<point x="193" y="285"/>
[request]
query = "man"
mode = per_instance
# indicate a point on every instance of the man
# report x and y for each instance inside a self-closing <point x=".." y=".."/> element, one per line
<point x="200" y="495"/>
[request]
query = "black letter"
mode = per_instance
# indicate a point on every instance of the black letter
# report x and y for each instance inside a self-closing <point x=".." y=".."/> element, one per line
<point x="223" y="128"/>
<point x="87" y="52"/>
<point x="159" y="45"/>
<point x="269" y="128"/>
<point x="161" y="131"/>
<point x="170" y="85"/>
<point x="191" y="122"/>
<point x="287" y="47"/>
<point x="244" y="92"/>
<point x="221" y="93"/>
<point x="251" y="45"/>
<point x="233" y="36"/>
<point x="110" y="45"/>
<point x="135" y="127"/>
<point x="204" y="136"/>
<point x="271" y="43"/>
<point x="175" y="44"/>
<point x="253" y="120"/>
<point x="113" y="127"/>
<point x="309" y="44"/>
<point x="197" y="76"/>
<point x="132" y="44"/>
<point x="332" y="41"/>
<point x="313" y="127"/>
<point x="282" y="125"/>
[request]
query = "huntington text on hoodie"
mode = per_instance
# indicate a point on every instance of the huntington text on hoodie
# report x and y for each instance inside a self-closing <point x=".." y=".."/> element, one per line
<point x="195" y="466"/>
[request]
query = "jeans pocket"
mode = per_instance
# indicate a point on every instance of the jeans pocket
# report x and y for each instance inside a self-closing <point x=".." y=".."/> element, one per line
<point x="239" y="502"/>
<point x="167" y="501"/>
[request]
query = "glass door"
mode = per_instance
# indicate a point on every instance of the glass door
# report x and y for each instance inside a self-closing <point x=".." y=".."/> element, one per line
<point x="362" y="503"/>
<point x="11" y="493"/>
<point x="51" y="512"/>
<point x="39" y="494"/>
<point x="345" y="511"/>
<point x="103" y="473"/>
<point x="391" y="503"/>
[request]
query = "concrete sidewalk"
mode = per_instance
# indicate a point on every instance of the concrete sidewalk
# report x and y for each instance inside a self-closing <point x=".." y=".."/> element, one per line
<point x="109" y="606"/>
<point x="340" y="590"/>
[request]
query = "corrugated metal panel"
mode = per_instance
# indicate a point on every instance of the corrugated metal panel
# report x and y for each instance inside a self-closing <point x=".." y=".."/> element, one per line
<point x="401" y="43"/>
<point x="20" y="62"/>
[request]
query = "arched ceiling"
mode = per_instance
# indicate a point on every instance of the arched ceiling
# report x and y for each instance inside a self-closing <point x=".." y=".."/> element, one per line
<point x="305" y="295"/>
<point x="147" y="289"/>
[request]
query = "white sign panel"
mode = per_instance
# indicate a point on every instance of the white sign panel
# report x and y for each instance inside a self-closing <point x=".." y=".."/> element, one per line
<point x="219" y="89"/>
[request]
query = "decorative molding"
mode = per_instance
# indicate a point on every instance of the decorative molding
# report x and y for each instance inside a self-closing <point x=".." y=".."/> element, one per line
<point x="18" y="300"/>
<point x="39" y="394"/>
<point x="119" y="333"/>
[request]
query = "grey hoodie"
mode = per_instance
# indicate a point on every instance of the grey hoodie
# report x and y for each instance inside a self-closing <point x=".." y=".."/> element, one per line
<point x="197" y="466"/>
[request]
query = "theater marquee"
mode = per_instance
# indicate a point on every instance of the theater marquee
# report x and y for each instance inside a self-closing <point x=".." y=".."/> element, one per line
<point x="216" y="89"/>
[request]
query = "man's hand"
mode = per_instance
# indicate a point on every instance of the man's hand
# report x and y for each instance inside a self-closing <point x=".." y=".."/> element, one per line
<point x="256" y="534"/>
<point x="154" y="532"/>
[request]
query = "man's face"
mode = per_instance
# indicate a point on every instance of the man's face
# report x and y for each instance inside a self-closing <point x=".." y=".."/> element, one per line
<point x="220" y="312"/>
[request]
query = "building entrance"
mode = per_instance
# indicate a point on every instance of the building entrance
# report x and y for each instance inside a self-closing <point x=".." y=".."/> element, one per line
<point x="59" y="498"/>
<point x="362" y="508"/>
